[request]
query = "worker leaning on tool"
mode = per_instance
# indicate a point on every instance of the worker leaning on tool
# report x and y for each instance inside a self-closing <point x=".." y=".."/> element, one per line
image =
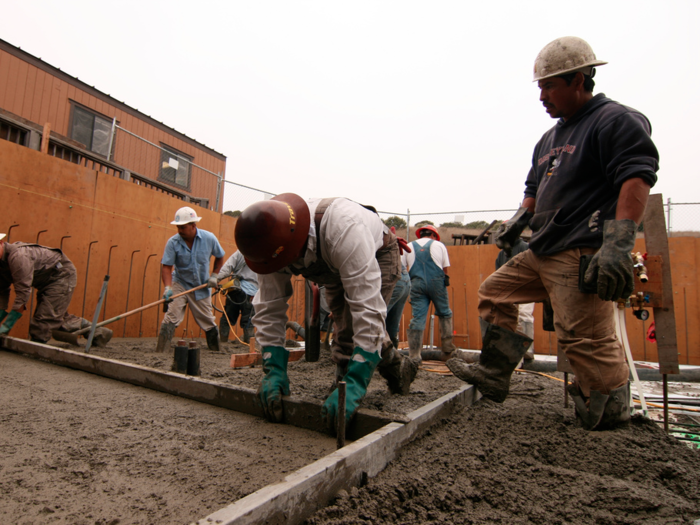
<point x="53" y="275"/>
<point x="347" y="248"/>
<point x="427" y="265"/>
<point x="584" y="197"/>
<point x="185" y="265"/>
<point x="239" y="296"/>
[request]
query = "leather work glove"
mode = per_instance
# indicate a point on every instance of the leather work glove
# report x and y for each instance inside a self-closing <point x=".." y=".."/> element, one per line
<point x="168" y="293"/>
<point x="213" y="281"/>
<point x="403" y="245"/>
<point x="508" y="233"/>
<point x="360" y="369"/>
<point x="612" y="268"/>
<point x="12" y="318"/>
<point x="447" y="281"/>
<point x="275" y="384"/>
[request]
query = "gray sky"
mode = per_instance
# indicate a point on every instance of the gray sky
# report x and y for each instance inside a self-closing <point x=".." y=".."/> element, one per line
<point x="401" y="104"/>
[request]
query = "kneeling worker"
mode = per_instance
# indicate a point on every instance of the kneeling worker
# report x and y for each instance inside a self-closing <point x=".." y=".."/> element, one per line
<point x="347" y="248"/>
<point x="185" y="265"/>
<point x="54" y="277"/>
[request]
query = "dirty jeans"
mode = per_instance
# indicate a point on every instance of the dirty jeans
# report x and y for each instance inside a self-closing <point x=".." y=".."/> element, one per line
<point x="583" y="323"/>
<point x="396" y="305"/>
<point x="342" y="347"/>
<point x="52" y="301"/>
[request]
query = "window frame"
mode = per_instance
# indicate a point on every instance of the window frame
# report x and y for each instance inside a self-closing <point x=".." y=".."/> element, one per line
<point x="168" y="152"/>
<point x="76" y="108"/>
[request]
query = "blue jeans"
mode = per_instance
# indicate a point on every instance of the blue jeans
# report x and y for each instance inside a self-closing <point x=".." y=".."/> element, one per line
<point x="422" y="294"/>
<point x="396" y="304"/>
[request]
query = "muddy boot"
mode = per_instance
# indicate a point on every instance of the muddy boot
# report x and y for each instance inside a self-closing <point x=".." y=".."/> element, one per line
<point x="602" y="411"/>
<point x="167" y="330"/>
<point x="528" y="329"/>
<point x="446" y="333"/>
<point x="213" y="339"/>
<point x="415" y="343"/>
<point x="102" y="336"/>
<point x="501" y="352"/>
<point x="399" y="371"/>
<point x="223" y="334"/>
<point x="248" y="333"/>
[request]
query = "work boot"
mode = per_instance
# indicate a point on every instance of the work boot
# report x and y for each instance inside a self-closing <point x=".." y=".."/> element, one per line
<point x="501" y="352"/>
<point x="415" y="343"/>
<point x="213" y="339"/>
<point x="248" y="332"/>
<point x="602" y="411"/>
<point x="167" y="330"/>
<point x="399" y="371"/>
<point x="446" y="333"/>
<point x="223" y="334"/>
<point x="528" y="329"/>
<point x="102" y="336"/>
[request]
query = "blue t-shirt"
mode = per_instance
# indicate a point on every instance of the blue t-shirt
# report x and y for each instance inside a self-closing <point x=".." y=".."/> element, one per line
<point x="191" y="267"/>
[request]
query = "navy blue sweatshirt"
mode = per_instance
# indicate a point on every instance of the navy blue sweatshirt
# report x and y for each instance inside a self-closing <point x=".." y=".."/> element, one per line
<point x="578" y="168"/>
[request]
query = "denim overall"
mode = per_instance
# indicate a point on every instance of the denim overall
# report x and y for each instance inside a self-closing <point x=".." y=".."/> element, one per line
<point x="427" y="284"/>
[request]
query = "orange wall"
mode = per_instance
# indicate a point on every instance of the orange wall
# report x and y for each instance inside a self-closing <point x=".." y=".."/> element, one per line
<point x="77" y="206"/>
<point x="42" y="97"/>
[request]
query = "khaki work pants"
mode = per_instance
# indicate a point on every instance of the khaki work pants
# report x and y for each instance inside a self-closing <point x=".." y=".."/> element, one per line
<point x="584" y="324"/>
<point x="201" y="310"/>
<point x="52" y="302"/>
<point x="342" y="347"/>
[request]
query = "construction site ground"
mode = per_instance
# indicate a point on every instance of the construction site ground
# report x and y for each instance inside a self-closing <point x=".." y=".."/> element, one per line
<point x="79" y="448"/>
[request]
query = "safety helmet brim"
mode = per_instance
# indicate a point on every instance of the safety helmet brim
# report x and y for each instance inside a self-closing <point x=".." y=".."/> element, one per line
<point x="185" y="215"/>
<point x="565" y="55"/>
<point x="430" y="228"/>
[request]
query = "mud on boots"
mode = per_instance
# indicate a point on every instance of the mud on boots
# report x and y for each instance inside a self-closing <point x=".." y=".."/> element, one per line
<point x="501" y="352"/>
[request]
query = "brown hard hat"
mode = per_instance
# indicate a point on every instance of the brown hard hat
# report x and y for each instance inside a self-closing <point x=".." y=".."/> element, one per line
<point x="271" y="234"/>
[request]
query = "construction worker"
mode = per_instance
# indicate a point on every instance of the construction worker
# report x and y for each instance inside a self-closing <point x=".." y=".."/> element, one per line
<point x="348" y="249"/>
<point x="185" y="265"/>
<point x="239" y="296"/>
<point x="526" y="321"/>
<point x="398" y="299"/>
<point x="428" y="264"/>
<point x="585" y="196"/>
<point x="53" y="275"/>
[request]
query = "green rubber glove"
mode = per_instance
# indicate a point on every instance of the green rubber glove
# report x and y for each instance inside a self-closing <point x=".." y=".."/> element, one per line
<point x="10" y="321"/>
<point x="612" y="268"/>
<point x="360" y="369"/>
<point x="3" y="313"/>
<point x="275" y="384"/>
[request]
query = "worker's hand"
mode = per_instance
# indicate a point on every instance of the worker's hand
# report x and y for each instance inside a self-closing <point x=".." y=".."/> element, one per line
<point x="509" y="231"/>
<point x="168" y="293"/>
<point x="357" y="378"/>
<point x="447" y="281"/>
<point x="213" y="281"/>
<point x="403" y="245"/>
<point x="12" y="318"/>
<point x="612" y="268"/>
<point x="275" y="384"/>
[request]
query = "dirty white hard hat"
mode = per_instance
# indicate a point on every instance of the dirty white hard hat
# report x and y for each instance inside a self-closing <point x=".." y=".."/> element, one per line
<point x="185" y="215"/>
<point x="567" y="54"/>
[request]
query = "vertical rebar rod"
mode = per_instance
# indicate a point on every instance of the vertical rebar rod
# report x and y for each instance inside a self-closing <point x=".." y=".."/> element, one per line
<point x="665" y="379"/>
<point x="109" y="263"/>
<point x="62" y="238"/>
<point x="128" y="289"/>
<point x="87" y="270"/>
<point x="9" y="231"/>
<point x="31" y="290"/>
<point x="143" y="290"/>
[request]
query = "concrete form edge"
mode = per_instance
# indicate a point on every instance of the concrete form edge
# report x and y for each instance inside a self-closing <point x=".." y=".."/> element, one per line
<point x="310" y="488"/>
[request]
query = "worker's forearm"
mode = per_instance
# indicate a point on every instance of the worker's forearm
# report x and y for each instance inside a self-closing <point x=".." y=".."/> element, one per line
<point x="218" y="263"/>
<point x="166" y="274"/>
<point x="632" y="200"/>
<point x="529" y="203"/>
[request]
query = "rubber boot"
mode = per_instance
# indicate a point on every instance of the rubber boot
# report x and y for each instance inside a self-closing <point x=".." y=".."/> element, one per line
<point x="501" y="352"/>
<point x="223" y="334"/>
<point x="528" y="329"/>
<point x="399" y="371"/>
<point x="167" y="330"/>
<point x="415" y="343"/>
<point x="446" y="334"/>
<point x="602" y="411"/>
<point x="213" y="339"/>
<point x="102" y="336"/>
<point x="248" y="332"/>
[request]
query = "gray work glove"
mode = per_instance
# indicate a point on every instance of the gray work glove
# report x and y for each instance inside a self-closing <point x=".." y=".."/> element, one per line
<point x="612" y="268"/>
<point x="510" y="231"/>
<point x="213" y="281"/>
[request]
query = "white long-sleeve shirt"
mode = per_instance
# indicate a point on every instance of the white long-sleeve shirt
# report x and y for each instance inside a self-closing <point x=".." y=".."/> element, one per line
<point x="236" y="265"/>
<point x="351" y="236"/>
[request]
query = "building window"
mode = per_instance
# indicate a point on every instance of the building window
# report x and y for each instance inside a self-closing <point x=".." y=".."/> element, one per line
<point x="92" y="130"/>
<point x="175" y="167"/>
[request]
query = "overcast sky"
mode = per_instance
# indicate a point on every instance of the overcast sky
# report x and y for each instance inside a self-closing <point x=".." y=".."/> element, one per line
<point x="427" y="106"/>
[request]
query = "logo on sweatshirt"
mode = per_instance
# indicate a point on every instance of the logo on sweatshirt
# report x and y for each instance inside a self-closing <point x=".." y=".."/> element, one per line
<point x="556" y="152"/>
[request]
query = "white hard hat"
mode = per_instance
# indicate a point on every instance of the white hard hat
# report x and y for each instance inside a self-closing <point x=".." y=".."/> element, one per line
<point x="2" y="236"/>
<point x="185" y="215"/>
<point x="567" y="54"/>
